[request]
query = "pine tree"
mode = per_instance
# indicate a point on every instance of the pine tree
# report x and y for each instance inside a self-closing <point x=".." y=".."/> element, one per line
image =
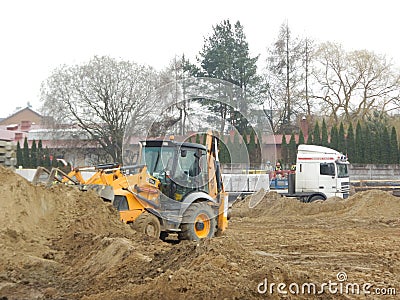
<point x="341" y="139"/>
<point x="235" y="154"/>
<point x="20" y="157"/>
<point x="368" y="157"/>
<point x="40" y="153"/>
<point x="284" y="150"/>
<point x="26" y="154"/>
<point x="310" y="139"/>
<point x="324" y="134"/>
<point x="359" y="145"/>
<point x="292" y="150"/>
<point x="394" y="147"/>
<point x="301" y="138"/>
<point x="385" y="147"/>
<point x="34" y="155"/>
<point x="225" y="55"/>
<point x="317" y="134"/>
<point x="251" y="148"/>
<point x="223" y="153"/>
<point x="229" y="147"/>
<point x="243" y="152"/>
<point x="227" y="153"/>
<point x="258" y="143"/>
<point x="350" y="142"/>
<point x="47" y="161"/>
<point x="334" y="143"/>
<point x="376" y="147"/>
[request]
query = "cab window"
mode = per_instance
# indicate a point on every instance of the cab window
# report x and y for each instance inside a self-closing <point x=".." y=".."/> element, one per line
<point x="158" y="160"/>
<point x="192" y="168"/>
<point x="327" y="169"/>
<point x="188" y="163"/>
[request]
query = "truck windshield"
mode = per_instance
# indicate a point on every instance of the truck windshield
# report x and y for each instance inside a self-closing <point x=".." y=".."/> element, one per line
<point x="342" y="170"/>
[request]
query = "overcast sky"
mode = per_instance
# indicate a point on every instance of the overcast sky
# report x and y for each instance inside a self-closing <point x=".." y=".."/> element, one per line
<point x="39" y="35"/>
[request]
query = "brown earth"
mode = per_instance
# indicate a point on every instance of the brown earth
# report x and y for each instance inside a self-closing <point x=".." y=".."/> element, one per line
<point x="60" y="243"/>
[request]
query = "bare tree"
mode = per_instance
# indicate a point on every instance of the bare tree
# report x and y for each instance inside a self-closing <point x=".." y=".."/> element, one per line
<point x="352" y="84"/>
<point x="379" y="84"/>
<point x="337" y="83"/>
<point x="176" y="72"/>
<point x="286" y="78"/>
<point x="100" y="97"/>
<point x="308" y="56"/>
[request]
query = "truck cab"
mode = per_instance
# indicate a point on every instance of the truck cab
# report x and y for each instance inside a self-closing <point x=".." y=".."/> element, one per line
<point x="321" y="170"/>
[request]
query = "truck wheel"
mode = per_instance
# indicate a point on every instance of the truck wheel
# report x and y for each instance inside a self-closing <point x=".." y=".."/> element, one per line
<point x="317" y="199"/>
<point x="148" y="224"/>
<point x="198" y="222"/>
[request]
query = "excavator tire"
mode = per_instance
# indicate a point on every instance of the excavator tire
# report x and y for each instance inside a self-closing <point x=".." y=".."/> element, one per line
<point x="164" y="235"/>
<point x="148" y="224"/>
<point x="198" y="222"/>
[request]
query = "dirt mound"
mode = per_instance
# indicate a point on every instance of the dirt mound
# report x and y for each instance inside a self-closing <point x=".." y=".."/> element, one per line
<point x="49" y="236"/>
<point x="365" y="205"/>
<point x="38" y="212"/>
<point x="378" y="203"/>
<point x="60" y="243"/>
<point x="220" y="267"/>
<point x="253" y="206"/>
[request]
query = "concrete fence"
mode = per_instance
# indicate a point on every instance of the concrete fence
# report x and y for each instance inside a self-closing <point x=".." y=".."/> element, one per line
<point x="374" y="172"/>
<point x="8" y="154"/>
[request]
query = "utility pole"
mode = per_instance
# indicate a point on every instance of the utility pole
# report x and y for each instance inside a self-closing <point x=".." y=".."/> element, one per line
<point x="306" y="67"/>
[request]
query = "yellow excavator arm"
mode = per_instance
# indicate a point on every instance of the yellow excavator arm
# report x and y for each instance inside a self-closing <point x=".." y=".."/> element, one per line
<point x="216" y="186"/>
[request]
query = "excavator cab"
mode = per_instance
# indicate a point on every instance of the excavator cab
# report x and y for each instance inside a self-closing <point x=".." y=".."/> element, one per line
<point x="181" y="168"/>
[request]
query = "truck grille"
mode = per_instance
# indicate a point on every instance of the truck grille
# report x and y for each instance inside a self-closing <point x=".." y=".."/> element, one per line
<point x="345" y="187"/>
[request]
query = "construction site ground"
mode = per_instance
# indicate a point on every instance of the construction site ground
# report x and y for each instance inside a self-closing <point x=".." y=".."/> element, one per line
<point x="60" y="243"/>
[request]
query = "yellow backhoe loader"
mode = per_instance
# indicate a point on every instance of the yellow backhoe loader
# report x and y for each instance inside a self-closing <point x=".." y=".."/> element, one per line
<point x="177" y="188"/>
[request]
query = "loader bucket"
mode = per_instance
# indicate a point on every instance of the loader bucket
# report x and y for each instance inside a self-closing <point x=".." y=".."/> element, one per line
<point x="57" y="175"/>
<point x="106" y="192"/>
<point x="41" y="175"/>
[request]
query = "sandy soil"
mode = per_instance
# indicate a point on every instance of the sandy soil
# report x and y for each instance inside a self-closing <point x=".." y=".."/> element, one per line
<point x="60" y="243"/>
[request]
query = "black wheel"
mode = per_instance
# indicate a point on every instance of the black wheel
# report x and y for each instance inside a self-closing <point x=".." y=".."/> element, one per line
<point x="164" y="235"/>
<point x="317" y="199"/>
<point x="148" y="224"/>
<point x="198" y="222"/>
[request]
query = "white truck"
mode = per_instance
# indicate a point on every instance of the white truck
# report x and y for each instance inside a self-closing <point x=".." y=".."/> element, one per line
<point x="320" y="173"/>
